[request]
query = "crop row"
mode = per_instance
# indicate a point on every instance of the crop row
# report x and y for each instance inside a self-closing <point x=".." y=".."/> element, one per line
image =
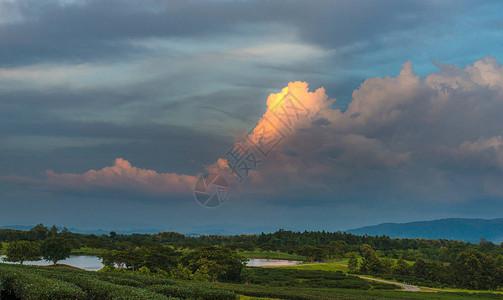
<point x="28" y="286"/>
<point x="26" y="282"/>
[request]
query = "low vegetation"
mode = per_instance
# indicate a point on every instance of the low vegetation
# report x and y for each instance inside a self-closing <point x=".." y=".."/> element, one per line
<point x="30" y="282"/>
<point x="170" y="265"/>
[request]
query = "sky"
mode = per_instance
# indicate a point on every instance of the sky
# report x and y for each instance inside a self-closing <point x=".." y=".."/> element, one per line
<point x="111" y="111"/>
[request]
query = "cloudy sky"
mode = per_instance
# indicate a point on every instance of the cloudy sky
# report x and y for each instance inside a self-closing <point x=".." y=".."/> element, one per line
<point x="110" y="110"/>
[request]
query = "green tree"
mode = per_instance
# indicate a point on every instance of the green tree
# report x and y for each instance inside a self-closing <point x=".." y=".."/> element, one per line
<point x="56" y="249"/>
<point x="419" y="268"/>
<point x="311" y="253"/>
<point x="370" y="262"/>
<point x="160" y="257"/>
<point x="443" y="254"/>
<point x="181" y="272"/>
<point x="161" y="273"/>
<point x="387" y="265"/>
<point x="248" y="275"/>
<point x="53" y="232"/>
<point x="352" y="261"/>
<point x="38" y="232"/>
<point x="223" y="264"/>
<point x="133" y="257"/>
<point x="340" y="245"/>
<point x="402" y="267"/>
<point x="202" y="274"/>
<point x="499" y="273"/>
<point x="475" y="270"/>
<point x="21" y="251"/>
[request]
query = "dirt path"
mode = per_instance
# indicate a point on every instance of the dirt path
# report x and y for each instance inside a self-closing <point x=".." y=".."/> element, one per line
<point x="407" y="287"/>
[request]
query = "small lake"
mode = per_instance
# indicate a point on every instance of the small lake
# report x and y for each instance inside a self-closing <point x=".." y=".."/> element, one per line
<point x="86" y="262"/>
<point x="93" y="263"/>
<point x="259" y="262"/>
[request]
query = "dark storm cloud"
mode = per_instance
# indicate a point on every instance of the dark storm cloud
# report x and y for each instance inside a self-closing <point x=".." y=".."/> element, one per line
<point x="162" y="85"/>
<point x="105" y="30"/>
<point x="153" y="146"/>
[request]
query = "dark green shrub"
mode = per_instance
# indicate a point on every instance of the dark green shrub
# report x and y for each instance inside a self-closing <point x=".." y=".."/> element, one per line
<point x="193" y="292"/>
<point x="99" y="289"/>
<point x="29" y="286"/>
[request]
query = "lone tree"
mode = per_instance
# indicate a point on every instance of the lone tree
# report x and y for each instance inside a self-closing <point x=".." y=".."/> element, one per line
<point x="371" y="264"/>
<point x="21" y="251"/>
<point x="56" y="249"/>
<point x="352" y="262"/>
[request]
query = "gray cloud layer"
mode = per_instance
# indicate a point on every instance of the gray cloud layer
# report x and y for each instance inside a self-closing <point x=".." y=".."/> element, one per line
<point x="107" y="30"/>
<point x="164" y="84"/>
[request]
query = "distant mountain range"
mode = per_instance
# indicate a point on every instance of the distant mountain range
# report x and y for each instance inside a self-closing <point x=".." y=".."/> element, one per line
<point x="217" y="230"/>
<point x="468" y="230"/>
<point x="83" y="231"/>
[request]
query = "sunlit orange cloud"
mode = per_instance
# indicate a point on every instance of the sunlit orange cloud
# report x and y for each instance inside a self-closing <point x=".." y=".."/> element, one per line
<point x="287" y="111"/>
<point x="122" y="175"/>
<point x="294" y="99"/>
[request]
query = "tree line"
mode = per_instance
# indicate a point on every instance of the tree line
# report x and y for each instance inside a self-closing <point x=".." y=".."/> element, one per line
<point x="316" y="245"/>
<point x="471" y="269"/>
<point x="52" y="249"/>
<point x="438" y="262"/>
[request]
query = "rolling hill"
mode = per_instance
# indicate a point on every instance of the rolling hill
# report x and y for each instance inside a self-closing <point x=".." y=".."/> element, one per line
<point x="468" y="230"/>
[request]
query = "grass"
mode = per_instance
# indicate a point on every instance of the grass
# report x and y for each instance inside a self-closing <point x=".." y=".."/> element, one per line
<point x="333" y="267"/>
<point x="88" y="251"/>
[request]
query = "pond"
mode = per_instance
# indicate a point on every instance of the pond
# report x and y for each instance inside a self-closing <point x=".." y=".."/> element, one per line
<point x="93" y="263"/>
<point x="86" y="262"/>
<point x="259" y="262"/>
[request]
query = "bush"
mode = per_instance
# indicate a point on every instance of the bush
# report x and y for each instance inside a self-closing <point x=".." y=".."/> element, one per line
<point x="99" y="289"/>
<point x="186" y="292"/>
<point x="161" y="273"/>
<point x="313" y="279"/>
<point x="96" y="285"/>
<point x="30" y="286"/>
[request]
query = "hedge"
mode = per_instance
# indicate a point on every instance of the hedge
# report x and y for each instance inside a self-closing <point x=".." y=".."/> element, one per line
<point x="30" y="286"/>
<point x="193" y="292"/>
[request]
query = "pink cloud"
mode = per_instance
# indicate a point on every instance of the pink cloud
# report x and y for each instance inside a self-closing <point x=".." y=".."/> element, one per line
<point x="123" y="176"/>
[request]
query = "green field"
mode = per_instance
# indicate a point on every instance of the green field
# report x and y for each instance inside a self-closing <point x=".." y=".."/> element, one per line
<point x="338" y="265"/>
<point x="28" y="282"/>
<point x="88" y="251"/>
<point x="333" y="267"/>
